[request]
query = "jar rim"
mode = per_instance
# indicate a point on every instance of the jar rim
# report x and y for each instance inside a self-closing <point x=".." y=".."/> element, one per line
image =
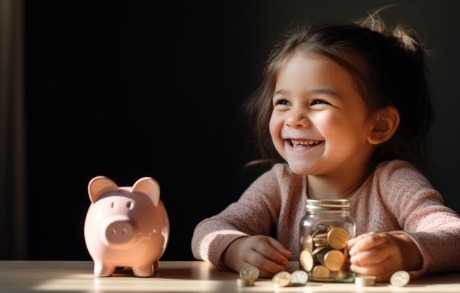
<point x="327" y="204"/>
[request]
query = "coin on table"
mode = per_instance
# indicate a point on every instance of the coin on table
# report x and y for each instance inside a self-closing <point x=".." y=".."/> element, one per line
<point x="282" y="279"/>
<point x="338" y="237"/>
<point x="245" y="283"/>
<point x="306" y="260"/>
<point x="400" y="279"/>
<point x="249" y="272"/>
<point x="364" y="281"/>
<point x="299" y="278"/>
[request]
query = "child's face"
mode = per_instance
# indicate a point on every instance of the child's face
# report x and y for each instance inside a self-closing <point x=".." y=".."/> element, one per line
<point x="319" y="122"/>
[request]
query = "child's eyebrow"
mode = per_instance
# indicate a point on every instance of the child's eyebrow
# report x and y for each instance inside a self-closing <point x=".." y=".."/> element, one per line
<point x="326" y="91"/>
<point x="315" y="91"/>
<point x="279" y="92"/>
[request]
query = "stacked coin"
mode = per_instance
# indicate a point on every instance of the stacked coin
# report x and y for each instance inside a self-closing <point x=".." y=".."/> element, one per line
<point x="324" y="254"/>
<point x="364" y="281"/>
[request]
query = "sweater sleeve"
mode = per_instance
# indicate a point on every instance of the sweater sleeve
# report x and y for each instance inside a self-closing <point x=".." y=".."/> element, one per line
<point x="255" y="213"/>
<point x="422" y="215"/>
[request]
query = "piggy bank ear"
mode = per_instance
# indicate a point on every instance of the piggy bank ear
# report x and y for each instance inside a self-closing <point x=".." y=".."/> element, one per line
<point x="100" y="185"/>
<point x="149" y="187"/>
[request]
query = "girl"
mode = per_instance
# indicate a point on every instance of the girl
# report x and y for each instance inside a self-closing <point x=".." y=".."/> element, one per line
<point x="344" y="111"/>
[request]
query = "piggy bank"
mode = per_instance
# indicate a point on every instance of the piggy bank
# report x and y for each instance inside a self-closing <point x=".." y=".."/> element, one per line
<point x="125" y="226"/>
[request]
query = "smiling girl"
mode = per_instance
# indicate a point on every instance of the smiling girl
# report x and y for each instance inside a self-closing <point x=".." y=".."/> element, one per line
<point x="343" y="112"/>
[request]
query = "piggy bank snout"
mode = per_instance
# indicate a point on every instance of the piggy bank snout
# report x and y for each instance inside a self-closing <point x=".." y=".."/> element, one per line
<point x="119" y="232"/>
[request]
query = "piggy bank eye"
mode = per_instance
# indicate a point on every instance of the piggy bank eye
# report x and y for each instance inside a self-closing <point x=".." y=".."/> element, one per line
<point x="129" y="204"/>
<point x="112" y="204"/>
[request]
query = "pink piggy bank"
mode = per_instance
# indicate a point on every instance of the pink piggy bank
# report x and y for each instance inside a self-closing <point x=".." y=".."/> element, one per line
<point x="126" y="226"/>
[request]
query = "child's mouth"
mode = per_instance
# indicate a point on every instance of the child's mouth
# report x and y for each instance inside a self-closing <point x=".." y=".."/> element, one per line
<point x="303" y="143"/>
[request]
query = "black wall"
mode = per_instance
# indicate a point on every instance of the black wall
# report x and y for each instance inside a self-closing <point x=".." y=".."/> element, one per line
<point x="154" y="88"/>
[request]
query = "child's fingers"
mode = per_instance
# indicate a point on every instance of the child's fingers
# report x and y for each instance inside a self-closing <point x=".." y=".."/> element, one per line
<point x="272" y="250"/>
<point x="365" y="242"/>
<point x="267" y="266"/>
<point x="280" y="247"/>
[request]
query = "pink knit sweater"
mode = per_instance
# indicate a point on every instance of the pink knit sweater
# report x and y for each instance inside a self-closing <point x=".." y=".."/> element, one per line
<point x="396" y="197"/>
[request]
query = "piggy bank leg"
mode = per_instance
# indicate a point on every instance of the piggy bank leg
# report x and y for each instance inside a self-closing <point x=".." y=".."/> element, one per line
<point x="102" y="270"/>
<point x="143" y="270"/>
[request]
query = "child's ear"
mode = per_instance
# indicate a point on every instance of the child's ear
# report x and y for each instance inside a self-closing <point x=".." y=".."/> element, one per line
<point x="385" y="122"/>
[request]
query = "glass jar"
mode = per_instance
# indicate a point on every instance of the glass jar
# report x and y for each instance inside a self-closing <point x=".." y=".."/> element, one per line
<point x="324" y="232"/>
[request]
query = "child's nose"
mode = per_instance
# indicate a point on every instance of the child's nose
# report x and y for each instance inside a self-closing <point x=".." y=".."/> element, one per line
<point x="298" y="118"/>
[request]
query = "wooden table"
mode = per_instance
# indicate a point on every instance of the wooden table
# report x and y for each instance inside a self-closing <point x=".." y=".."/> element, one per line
<point x="176" y="276"/>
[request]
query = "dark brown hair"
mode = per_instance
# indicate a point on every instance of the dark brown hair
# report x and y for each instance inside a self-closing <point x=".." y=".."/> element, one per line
<point x="388" y="68"/>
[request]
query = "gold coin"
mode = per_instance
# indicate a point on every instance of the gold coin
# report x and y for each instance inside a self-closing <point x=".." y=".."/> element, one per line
<point x="320" y="237"/>
<point x="338" y="237"/>
<point x="320" y="272"/>
<point x="282" y="279"/>
<point x="306" y="260"/>
<point x="307" y="243"/>
<point x="320" y="243"/>
<point x="334" y="260"/>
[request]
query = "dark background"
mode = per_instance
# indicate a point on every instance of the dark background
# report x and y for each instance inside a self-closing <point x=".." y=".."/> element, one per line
<point x="128" y="89"/>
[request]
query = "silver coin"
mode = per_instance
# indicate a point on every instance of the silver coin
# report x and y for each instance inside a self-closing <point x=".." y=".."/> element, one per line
<point x="400" y="279"/>
<point x="245" y="283"/>
<point x="364" y="281"/>
<point x="299" y="278"/>
<point x="249" y="273"/>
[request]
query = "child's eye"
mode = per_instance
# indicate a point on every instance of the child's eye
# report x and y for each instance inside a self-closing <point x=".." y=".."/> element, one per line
<point x="319" y="102"/>
<point x="281" y="102"/>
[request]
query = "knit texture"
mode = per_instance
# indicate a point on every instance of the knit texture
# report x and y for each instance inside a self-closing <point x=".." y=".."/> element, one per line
<point x="395" y="198"/>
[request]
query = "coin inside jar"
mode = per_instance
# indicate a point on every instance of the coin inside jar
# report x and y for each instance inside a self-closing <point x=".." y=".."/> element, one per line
<point x="306" y="260"/>
<point x="325" y="230"/>
<point x="320" y="272"/>
<point x="307" y="243"/>
<point x="337" y="237"/>
<point x="334" y="260"/>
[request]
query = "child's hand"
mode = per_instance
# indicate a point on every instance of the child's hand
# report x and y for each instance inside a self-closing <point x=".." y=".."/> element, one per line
<point x="382" y="254"/>
<point x="263" y="252"/>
